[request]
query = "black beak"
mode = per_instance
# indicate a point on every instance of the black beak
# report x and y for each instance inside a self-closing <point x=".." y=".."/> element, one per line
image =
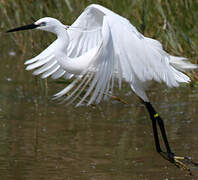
<point x="29" y="26"/>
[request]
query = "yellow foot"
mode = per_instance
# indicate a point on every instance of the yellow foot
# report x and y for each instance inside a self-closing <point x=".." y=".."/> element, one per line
<point x="181" y="163"/>
<point x="185" y="163"/>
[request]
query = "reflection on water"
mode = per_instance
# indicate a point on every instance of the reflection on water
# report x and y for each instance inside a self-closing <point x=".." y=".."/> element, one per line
<point x="41" y="139"/>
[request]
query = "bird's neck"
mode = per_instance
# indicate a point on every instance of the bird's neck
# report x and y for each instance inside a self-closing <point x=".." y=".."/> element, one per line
<point x="61" y="32"/>
<point x="62" y="37"/>
<point x="78" y="64"/>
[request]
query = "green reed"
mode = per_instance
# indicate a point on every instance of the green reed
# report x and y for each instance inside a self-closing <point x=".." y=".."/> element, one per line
<point x="173" y="23"/>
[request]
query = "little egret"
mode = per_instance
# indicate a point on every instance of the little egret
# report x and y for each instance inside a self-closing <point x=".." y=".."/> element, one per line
<point x="101" y="48"/>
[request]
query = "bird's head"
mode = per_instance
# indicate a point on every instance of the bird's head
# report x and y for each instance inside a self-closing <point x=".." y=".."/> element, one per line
<point x="45" y="24"/>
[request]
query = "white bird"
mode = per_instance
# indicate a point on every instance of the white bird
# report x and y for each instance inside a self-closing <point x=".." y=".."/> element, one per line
<point x="100" y="48"/>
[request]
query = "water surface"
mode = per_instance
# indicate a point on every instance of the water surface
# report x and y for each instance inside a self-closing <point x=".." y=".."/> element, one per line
<point x="42" y="139"/>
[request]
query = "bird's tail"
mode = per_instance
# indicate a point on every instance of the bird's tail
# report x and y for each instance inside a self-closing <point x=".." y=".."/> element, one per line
<point x="182" y="64"/>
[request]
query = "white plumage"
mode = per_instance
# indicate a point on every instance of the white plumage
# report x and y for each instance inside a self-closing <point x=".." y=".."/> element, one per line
<point x="99" y="47"/>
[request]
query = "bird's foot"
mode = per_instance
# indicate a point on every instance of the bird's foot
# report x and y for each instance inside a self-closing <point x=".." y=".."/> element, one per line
<point x="185" y="163"/>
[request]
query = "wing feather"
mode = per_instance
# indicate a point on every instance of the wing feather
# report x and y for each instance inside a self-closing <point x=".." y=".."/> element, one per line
<point x="81" y="87"/>
<point x="85" y="32"/>
<point x="39" y="63"/>
<point x="60" y="72"/>
<point x="45" y="67"/>
<point x="50" y="71"/>
<point x="137" y="59"/>
<point x="96" y="79"/>
<point x="124" y="54"/>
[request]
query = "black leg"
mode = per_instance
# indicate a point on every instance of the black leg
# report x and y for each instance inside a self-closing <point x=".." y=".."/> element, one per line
<point x="154" y="124"/>
<point x="155" y="117"/>
<point x="182" y="162"/>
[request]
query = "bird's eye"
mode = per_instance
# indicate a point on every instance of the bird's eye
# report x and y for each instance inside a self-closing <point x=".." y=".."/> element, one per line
<point x="43" y="24"/>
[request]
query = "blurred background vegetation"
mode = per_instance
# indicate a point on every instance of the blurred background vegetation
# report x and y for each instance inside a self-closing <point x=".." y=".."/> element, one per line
<point x="173" y="23"/>
<point x="40" y="139"/>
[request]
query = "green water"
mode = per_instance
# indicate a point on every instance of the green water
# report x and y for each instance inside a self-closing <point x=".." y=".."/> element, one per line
<point x="42" y="139"/>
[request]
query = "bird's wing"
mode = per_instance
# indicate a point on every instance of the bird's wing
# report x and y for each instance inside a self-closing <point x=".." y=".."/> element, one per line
<point x="138" y="58"/>
<point x="93" y="70"/>
<point x="145" y="56"/>
<point x="46" y="63"/>
<point x="98" y="78"/>
<point x="142" y="59"/>
<point x="85" y="32"/>
<point x="125" y="53"/>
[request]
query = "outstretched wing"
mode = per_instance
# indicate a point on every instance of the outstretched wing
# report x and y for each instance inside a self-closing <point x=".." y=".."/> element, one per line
<point x="86" y="32"/>
<point x="46" y="64"/>
<point x="141" y="59"/>
<point x="124" y="53"/>
<point x="98" y="78"/>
